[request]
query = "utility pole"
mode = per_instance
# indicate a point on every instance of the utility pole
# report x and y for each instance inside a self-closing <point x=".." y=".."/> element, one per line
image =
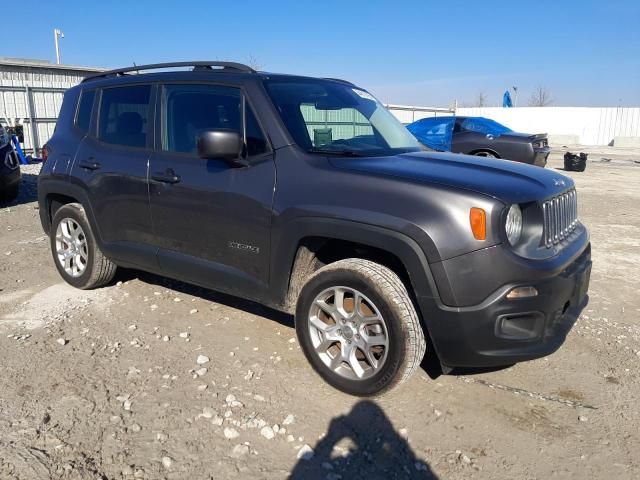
<point x="57" y="33"/>
<point x="515" y="97"/>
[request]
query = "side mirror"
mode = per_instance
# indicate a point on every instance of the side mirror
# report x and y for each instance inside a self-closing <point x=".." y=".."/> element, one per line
<point x="220" y="145"/>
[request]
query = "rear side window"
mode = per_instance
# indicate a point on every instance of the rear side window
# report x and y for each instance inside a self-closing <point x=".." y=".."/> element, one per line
<point x="83" y="117"/>
<point x="124" y="115"/>
<point x="192" y="109"/>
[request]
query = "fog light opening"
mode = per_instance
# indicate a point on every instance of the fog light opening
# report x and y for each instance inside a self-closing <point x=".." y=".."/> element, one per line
<point x="522" y="292"/>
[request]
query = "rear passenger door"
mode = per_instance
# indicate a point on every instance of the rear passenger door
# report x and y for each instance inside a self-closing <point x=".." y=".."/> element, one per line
<point x="111" y="166"/>
<point x="211" y="218"/>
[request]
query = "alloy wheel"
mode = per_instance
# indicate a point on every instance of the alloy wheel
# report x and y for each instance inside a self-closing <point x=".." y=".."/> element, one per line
<point x="348" y="333"/>
<point x="71" y="247"/>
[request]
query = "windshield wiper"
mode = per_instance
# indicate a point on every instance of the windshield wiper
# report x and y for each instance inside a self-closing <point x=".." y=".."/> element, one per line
<point x="341" y="153"/>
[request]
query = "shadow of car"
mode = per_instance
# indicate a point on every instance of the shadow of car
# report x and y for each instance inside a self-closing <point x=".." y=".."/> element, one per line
<point x="481" y="136"/>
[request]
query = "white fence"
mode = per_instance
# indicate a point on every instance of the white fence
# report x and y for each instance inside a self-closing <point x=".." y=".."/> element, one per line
<point x="31" y="94"/>
<point x="36" y="108"/>
<point x="588" y="125"/>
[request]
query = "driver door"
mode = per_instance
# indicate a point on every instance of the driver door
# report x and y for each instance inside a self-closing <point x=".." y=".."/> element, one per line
<point x="211" y="219"/>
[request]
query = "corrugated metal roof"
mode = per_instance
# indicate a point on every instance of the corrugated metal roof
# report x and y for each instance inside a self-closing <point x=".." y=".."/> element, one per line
<point x="34" y="63"/>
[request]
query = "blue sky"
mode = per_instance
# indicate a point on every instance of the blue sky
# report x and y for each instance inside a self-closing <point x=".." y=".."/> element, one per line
<point x="586" y="53"/>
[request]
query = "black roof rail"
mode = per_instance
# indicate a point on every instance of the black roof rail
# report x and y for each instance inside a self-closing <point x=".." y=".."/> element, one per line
<point x="340" y="80"/>
<point x="199" y="65"/>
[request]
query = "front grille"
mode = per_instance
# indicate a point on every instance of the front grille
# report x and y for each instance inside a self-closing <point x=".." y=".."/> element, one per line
<point x="560" y="217"/>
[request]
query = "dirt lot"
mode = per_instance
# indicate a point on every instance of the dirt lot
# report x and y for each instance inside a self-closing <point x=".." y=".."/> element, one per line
<point x="105" y="384"/>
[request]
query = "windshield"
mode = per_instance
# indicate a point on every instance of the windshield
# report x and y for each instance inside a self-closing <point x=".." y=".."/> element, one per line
<point x="484" y="125"/>
<point x="334" y="118"/>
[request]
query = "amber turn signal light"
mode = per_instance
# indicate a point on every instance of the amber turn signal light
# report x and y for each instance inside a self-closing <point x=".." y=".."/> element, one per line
<point x="478" y="221"/>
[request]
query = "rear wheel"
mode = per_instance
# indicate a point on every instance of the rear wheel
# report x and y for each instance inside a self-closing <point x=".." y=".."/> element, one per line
<point x="486" y="154"/>
<point x="75" y="251"/>
<point x="358" y="327"/>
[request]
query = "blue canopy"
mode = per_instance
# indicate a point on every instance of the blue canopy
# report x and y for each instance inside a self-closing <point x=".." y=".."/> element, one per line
<point x="434" y="132"/>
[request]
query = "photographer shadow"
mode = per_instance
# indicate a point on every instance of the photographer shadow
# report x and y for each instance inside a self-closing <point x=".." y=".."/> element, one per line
<point x="362" y="445"/>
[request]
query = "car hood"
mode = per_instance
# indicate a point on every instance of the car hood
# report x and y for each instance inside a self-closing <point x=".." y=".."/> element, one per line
<point x="510" y="182"/>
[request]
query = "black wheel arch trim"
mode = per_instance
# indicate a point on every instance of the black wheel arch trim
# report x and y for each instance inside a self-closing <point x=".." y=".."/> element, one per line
<point x="405" y="248"/>
<point x="48" y="187"/>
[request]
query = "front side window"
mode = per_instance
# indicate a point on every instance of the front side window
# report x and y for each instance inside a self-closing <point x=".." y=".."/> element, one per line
<point x="124" y="115"/>
<point x="83" y="117"/>
<point x="330" y="117"/>
<point x="191" y="109"/>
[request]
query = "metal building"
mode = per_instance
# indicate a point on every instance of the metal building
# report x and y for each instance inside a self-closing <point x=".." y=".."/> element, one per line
<point x="31" y="95"/>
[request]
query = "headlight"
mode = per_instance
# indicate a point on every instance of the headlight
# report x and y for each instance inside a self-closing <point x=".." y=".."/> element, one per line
<point x="513" y="224"/>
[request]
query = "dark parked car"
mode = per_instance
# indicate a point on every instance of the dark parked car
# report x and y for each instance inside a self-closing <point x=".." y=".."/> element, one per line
<point x="307" y="195"/>
<point x="9" y="168"/>
<point x="480" y="136"/>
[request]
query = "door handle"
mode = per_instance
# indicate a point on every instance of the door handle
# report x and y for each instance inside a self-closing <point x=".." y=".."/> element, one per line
<point x="168" y="176"/>
<point x="89" y="164"/>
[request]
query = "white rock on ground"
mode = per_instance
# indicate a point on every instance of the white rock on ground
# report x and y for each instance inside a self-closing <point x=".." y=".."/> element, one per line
<point x="267" y="432"/>
<point x="62" y="341"/>
<point x="230" y="433"/>
<point x="167" y="462"/>
<point x="207" y="412"/>
<point x="217" y="420"/>
<point x="202" y="359"/>
<point x="305" y="452"/>
<point x="289" y="419"/>
<point x="239" y="450"/>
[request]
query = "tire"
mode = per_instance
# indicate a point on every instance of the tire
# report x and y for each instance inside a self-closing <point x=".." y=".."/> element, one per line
<point x="88" y="267"/>
<point x="381" y="294"/>
<point x="10" y="193"/>
<point x="486" y="155"/>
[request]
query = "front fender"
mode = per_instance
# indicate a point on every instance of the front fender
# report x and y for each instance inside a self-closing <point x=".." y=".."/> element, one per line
<point x="406" y="249"/>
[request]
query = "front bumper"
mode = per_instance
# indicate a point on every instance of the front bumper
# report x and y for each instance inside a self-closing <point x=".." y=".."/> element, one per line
<point x="501" y="331"/>
<point x="540" y="156"/>
<point x="8" y="178"/>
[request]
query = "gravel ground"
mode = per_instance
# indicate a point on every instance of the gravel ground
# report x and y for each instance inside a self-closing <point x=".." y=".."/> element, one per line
<point x="152" y="378"/>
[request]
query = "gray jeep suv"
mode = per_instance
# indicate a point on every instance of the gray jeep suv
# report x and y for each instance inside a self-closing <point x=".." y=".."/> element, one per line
<point x="306" y="195"/>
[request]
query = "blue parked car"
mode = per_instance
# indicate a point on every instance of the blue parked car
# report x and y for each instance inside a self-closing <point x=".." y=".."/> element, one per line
<point x="481" y="136"/>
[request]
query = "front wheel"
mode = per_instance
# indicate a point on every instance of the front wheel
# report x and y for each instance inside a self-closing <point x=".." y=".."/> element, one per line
<point x="358" y="327"/>
<point x="75" y="251"/>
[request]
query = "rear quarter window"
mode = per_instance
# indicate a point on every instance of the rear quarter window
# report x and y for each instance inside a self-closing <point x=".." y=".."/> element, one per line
<point x="85" y="108"/>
